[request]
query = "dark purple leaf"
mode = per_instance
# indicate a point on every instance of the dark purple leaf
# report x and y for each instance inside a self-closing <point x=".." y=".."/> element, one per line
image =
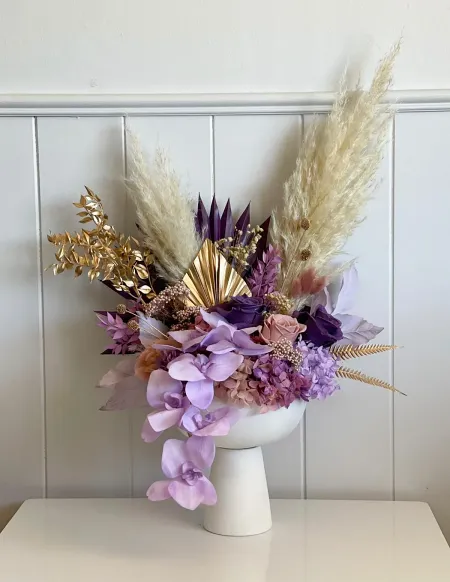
<point x="243" y="221"/>
<point x="226" y="222"/>
<point x="214" y="221"/>
<point x="201" y="219"/>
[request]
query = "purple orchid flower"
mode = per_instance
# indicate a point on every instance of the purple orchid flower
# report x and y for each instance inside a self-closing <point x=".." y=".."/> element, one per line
<point x="200" y="372"/>
<point x="183" y="463"/>
<point x="188" y="338"/>
<point x="166" y="395"/>
<point x="216" y="423"/>
<point x="222" y="338"/>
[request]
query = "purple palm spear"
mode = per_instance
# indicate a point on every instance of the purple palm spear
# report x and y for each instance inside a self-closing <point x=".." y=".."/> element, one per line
<point x="214" y="226"/>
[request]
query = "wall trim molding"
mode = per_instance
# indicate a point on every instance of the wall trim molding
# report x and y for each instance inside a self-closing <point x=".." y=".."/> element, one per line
<point x="202" y="104"/>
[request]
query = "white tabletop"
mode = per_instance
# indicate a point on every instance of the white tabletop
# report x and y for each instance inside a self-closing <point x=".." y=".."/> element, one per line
<point x="131" y="540"/>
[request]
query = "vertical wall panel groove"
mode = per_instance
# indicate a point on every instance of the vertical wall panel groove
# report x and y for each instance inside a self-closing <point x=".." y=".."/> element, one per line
<point x="130" y="228"/>
<point x="22" y="473"/>
<point x="391" y="356"/>
<point x="41" y="302"/>
<point x="302" y="433"/>
<point x="213" y="155"/>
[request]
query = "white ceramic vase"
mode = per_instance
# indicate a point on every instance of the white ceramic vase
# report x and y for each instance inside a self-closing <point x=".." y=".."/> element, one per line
<point x="238" y="473"/>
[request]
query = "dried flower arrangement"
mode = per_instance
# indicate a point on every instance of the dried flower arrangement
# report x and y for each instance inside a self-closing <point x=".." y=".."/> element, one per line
<point x="213" y="311"/>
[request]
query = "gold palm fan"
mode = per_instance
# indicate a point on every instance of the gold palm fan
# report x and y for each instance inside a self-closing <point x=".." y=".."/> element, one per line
<point x="211" y="279"/>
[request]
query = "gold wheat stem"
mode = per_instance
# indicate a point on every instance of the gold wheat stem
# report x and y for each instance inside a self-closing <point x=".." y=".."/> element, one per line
<point x="349" y="351"/>
<point x="356" y="375"/>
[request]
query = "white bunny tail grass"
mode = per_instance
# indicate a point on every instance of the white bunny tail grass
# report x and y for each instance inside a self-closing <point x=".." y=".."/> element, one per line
<point x="333" y="179"/>
<point x="165" y="214"/>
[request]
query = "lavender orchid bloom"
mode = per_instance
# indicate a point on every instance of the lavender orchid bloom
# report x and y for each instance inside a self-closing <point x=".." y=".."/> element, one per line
<point x="221" y="339"/>
<point x="216" y="423"/>
<point x="338" y="299"/>
<point x="165" y="394"/>
<point x="183" y="463"/>
<point x="200" y="372"/>
<point x="188" y="338"/>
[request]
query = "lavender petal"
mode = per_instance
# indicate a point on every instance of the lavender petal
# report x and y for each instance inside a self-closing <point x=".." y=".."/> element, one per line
<point x="188" y="496"/>
<point x="356" y="330"/>
<point x="159" y="491"/>
<point x="200" y="393"/>
<point x="173" y="456"/>
<point x="206" y="488"/>
<point x="201" y="451"/>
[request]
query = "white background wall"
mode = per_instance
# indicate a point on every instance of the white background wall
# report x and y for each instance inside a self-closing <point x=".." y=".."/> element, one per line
<point x="164" y="46"/>
<point x="362" y="443"/>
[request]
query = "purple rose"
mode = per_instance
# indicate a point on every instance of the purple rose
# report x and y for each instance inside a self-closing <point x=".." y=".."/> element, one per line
<point x="243" y="311"/>
<point x="322" y="329"/>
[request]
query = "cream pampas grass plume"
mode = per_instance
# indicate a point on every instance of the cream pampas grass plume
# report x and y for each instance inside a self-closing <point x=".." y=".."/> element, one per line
<point x="164" y="213"/>
<point x="333" y="179"/>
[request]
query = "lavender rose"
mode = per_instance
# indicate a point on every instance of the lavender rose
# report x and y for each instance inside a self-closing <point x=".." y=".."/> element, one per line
<point x="322" y="329"/>
<point x="243" y="311"/>
<point x="277" y="327"/>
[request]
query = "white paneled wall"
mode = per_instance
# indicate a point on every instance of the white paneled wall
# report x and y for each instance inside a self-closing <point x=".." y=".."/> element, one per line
<point x="22" y="454"/>
<point x="421" y="311"/>
<point x="361" y="443"/>
<point x="349" y="438"/>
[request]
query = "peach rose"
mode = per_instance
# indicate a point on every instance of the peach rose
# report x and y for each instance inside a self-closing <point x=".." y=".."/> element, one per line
<point x="148" y="360"/>
<point x="277" y="327"/>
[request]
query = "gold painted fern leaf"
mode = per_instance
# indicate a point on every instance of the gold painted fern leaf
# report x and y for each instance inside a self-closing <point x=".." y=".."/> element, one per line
<point x="348" y="351"/>
<point x="343" y="372"/>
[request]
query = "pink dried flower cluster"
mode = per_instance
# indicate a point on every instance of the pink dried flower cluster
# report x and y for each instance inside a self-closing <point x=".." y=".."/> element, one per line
<point x="236" y="388"/>
<point x="266" y="382"/>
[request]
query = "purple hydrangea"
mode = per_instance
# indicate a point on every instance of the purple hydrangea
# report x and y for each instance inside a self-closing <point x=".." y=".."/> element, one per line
<point x="278" y="384"/>
<point x="166" y="356"/>
<point x="320" y="367"/>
